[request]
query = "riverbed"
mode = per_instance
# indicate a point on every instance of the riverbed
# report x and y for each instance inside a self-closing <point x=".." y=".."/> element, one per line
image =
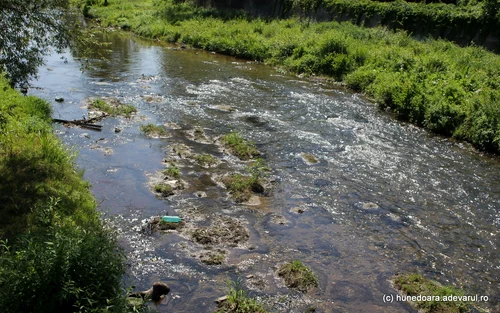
<point x="357" y="196"/>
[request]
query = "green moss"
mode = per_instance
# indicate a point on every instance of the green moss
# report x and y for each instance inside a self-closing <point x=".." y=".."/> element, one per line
<point x="240" y="147"/>
<point x="414" y="284"/>
<point x="153" y="130"/>
<point x="297" y="275"/>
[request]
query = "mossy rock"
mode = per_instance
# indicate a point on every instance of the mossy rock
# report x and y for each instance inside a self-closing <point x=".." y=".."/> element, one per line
<point x="414" y="284"/>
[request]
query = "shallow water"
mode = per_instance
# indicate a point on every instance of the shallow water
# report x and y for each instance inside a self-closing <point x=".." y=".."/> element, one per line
<point x="385" y="197"/>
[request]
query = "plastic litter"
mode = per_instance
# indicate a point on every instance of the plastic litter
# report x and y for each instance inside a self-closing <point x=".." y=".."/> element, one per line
<point x="171" y="219"/>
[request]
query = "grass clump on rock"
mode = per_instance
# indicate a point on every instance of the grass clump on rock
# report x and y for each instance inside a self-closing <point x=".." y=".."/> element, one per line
<point x="238" y="301"/>
<point x="152" y="130"/>
<point x="114" y="109"/>
<point x="297" y="275"/>
<point x="241" y="186"/>
<point x="172" y="171"/>
<point x="164" y="190"/>
<point x="205" y="159"/>
<point x="240" y="147"/>
<point x="414" y="284"/>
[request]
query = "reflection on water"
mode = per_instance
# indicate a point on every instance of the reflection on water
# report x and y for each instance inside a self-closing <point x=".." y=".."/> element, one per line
<point x="384" y="197"/>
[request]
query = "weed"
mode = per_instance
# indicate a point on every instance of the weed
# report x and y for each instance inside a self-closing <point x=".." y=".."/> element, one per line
<point x="114" y="110"/>
<point x="297" y="275"/>
<point x="239" y="146"/>
<point x="238" y="301"/>
<point x="414" y="284"/>
<point x="172" y="171"/>
<point x="205" y="159"/>
<point x="152" y="130"/>
<point x="241" y="186"/>
<point x="164" y="190"/>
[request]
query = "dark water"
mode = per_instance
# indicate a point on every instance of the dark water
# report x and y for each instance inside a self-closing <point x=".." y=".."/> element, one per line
<point x="384" y="198"/>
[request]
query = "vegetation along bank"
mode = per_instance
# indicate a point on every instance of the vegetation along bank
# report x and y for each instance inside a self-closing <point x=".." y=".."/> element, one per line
<point x="435" y="84"/>
<point x="56" y="254"/>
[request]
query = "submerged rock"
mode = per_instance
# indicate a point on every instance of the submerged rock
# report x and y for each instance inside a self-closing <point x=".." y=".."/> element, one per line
<point x="155" y="293"/>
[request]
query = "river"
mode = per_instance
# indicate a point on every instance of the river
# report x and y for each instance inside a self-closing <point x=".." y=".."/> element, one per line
<point x="384" y="197"/>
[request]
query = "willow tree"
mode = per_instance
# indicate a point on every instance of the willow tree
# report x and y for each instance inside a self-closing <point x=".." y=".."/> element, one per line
<point x="29" y="30"/>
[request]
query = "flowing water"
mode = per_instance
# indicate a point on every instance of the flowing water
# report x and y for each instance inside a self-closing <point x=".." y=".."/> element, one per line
<point x="384" y="197"/>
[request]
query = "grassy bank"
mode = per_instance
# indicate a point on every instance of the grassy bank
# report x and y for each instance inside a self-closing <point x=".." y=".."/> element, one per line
<point x="56" y="255"/>
<point x="435" y="84"/>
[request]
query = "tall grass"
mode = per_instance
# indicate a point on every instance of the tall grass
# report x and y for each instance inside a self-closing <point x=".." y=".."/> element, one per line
<point x="56" y="255"/>
<point x="435" y="84"/>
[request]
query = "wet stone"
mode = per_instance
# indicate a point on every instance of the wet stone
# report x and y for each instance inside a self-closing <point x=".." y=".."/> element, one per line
<point x="279" y="219"/>
<point x="321" y="183"/>
<point x="309" y="158"/>
<point x="370" y="206"/>
<point x="298" y="210"/>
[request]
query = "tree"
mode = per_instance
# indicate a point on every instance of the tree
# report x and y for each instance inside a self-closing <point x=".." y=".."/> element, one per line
<point x="29" y="30"/>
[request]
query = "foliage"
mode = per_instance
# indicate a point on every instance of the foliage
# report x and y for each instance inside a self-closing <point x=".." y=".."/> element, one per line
<point x="38" y="25"/>
<point x="297" y="275"/>
<point x="239" y="146"/>
<point x="58" y="256"/>
<point x="414" y="284"/>
<point x="238" y="301"/>
<point x="153" y="130"/>
<point x="433" y="83"/>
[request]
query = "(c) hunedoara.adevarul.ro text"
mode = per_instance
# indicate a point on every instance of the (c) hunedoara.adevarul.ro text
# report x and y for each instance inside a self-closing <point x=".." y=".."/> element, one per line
<point x="422" y="298"/>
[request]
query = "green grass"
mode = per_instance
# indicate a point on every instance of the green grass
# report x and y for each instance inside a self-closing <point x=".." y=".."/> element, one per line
<point x="205" y="159"/>
<point x="153" y="130"/>
<point x="238" y="301"/>
<point x="414" y="284"/>
<point x="114" y="110"/>
<point x="164" y="190"/>
<point x="56" y="253"/>
<point x="240" y="147"/>
<point x="433" y="83"/>
<point x="241" y="186"/>
<point x="297" y="275"/>
<point x="172" y="171"/>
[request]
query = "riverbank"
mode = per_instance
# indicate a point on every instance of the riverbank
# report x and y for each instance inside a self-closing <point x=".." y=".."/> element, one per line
<point x="435" y="84"/>
<point x="56" y="254"/>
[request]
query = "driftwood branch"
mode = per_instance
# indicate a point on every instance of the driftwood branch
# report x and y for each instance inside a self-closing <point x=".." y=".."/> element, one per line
<point x="82" y="123"/>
